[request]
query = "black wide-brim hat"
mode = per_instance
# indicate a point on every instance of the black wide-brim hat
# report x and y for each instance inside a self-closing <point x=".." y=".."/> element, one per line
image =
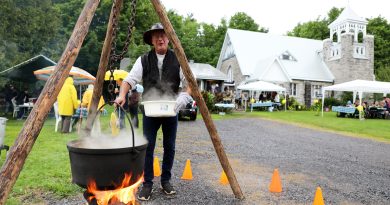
<point x="148" y="33"/>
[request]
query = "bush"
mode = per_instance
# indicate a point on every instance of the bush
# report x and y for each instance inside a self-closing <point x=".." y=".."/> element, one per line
<point x="209" y="100"/>
<point x="329" y="102"/>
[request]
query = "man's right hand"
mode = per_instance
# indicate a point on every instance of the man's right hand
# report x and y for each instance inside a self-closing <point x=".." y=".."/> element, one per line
<point x="120" y="100"/>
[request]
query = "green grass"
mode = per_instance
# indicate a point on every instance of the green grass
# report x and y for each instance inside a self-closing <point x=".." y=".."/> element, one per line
<point x="47" y="168"/>
<point x="376" y="129"/>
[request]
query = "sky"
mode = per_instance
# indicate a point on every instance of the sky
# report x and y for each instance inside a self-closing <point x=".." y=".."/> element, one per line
<point x="279" y="16"/>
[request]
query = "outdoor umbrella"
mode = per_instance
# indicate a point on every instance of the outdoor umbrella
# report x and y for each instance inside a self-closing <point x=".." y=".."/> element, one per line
<point x="80" y="76"/>
<point x="118" y="74"/>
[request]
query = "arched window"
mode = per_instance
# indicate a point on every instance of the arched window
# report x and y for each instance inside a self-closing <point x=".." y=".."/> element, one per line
<point x="360" y="37"/>
<point x="334" y="38"/>
<point x="230" y="74"/>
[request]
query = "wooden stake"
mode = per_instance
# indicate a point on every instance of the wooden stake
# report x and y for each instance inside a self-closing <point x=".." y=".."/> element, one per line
<point x="104" y="58"/>
<point x="33" y="125"/>
<point x="198" y="97"/>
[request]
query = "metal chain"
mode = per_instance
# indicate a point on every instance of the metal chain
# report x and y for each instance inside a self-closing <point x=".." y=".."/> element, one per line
<point x="114" y="57"/>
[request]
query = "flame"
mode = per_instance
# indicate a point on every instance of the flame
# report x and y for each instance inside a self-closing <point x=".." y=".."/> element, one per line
<point x="123" y="193"/>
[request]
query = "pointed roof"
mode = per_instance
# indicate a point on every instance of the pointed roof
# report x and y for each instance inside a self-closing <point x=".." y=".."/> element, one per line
<point x="348" y="15"/>
<point x="252" y="47"/>
<point x="270" y="69"/>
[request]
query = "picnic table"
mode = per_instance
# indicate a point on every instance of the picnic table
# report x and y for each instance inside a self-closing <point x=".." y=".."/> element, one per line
<point x="225" y="107"/>
<point x="344" y="110"/>
<point x="261" y="104"/>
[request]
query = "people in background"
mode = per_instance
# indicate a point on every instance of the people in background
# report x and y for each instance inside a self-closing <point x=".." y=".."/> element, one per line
<point x="237" y="99"/>
<point x="277" y="98"/>
<point x="227" y="95"/>
<point x="85" y="104"/>
<point x="387" y="107"/>
<point x="357" y="103"/>
<point x="87" y="98"/>
<point x="67" y="103"/>
<point x="133" y="104"/>
<point x="20" y="100"/>
<point x="261" y="97"/>
<point x="10" y="94"/>
<point x="125" y="106"/>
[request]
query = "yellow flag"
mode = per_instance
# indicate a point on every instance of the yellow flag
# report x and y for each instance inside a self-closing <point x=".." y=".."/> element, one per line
<point x="114" y="127"/>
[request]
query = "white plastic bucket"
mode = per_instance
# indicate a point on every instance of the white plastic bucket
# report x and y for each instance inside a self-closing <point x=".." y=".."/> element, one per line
<point x="160" y="108"/>
<point x="3" y="121"/>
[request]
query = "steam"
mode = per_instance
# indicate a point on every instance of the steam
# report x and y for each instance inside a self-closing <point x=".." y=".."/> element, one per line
<point x="102" y="141"/>
<point x="99" y="140"/>
<point x="154" y="94"/>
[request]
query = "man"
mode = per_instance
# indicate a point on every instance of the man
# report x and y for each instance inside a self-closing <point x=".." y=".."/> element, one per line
<point x="160" y="72"/>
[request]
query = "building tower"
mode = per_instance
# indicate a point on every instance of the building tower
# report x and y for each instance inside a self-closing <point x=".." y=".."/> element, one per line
<point x="349" y="52"/>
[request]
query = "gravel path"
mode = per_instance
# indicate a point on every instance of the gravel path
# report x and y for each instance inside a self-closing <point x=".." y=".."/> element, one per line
<point x="349" y="170"/>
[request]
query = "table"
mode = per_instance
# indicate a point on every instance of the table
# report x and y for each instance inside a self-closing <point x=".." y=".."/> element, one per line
<point x="225" y="106"/>
<point x="343" y="110"/>
<point x="261" y="104"/>
<point x="28" y="107"/>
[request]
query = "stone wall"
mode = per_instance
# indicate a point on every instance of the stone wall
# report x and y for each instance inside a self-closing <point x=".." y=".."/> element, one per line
<point x="233" y="63"/>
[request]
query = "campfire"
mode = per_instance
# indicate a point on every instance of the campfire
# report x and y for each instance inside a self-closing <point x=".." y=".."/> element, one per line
<point x="125" y="193"/>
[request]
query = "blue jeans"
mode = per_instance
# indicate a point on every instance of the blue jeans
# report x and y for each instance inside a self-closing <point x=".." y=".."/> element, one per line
<point x="169" y="128"/>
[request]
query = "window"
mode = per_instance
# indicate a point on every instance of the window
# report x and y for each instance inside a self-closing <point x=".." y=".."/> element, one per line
<point x="287" y="56"/>
<point x="293" y="89"/>
<point x="316" y="90"/>
<point x="230" y="74"/>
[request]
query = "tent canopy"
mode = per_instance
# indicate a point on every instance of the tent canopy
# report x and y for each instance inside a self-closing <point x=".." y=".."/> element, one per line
<point x="24" y="71"/>
<point x="261" y="86"/>
<point x="361" y="86"/>
<point x="358" y="86"/>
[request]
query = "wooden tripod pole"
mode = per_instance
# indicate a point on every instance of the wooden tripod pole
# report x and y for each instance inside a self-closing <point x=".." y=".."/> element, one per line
<point x="104" y="58"/>
<point x="198" y="97"/>
<point x="33" y="125"/>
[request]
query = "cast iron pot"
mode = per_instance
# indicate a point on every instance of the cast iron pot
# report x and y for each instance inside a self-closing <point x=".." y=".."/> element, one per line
<point x="107" y="167"/>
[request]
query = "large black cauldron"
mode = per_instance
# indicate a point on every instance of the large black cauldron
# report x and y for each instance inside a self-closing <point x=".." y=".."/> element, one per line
<point x="107" y="167"/>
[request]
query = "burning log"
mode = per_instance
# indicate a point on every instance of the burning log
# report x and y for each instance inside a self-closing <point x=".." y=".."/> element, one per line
<point x="33" y="125"/>
<point x="195" y="92"/>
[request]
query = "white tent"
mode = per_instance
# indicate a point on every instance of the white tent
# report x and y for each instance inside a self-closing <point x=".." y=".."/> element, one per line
<point x="358" y="86"/>
<point x="263" y="86"/>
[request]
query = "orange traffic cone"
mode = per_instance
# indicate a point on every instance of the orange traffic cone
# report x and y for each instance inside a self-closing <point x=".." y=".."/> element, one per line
<point x="276" y="183"/>
<point x="187" y="174"/>
<point x="223" y="180"/>
<point x="318" y="199"/>
<point x="156" y="167"/>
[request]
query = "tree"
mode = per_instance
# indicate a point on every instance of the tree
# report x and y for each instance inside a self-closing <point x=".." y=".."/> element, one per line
<point x="380" y="28"/>
<point x="317" y="29"/>
<point x="28" y="26"/>
<point x="242" y="21"/>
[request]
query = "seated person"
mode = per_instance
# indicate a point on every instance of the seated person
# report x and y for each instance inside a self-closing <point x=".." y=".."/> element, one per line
<point x="82" y="111"/>
<point x="349" y="104"/>
<point x="387" y="107"/>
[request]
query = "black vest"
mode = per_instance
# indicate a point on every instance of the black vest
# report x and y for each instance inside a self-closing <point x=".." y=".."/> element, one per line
<point x="170" y="77"/>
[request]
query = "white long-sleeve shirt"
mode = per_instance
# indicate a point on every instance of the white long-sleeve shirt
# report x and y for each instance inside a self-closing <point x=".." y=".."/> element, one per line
<point x="135" y="75"/>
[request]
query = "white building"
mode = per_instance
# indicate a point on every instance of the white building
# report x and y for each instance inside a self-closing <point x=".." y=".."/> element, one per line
<point x="300" y="65"/>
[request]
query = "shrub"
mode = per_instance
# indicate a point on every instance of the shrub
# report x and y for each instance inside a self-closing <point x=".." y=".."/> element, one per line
<point x="209" y="100"/>
<point x="329" y="102"/>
